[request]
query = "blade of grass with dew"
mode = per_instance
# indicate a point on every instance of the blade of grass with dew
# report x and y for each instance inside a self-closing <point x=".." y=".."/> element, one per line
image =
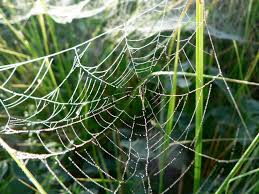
<point x="199" y="92"/>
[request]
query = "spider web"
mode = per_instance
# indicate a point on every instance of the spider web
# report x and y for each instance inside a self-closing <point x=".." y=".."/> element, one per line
<point x="116" y="110"/>
<point x="222" y="22"/>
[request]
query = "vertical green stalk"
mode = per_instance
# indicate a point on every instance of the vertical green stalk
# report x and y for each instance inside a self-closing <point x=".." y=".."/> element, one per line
<point x="199" y="92"/>
<point x="170" y="112"/>
<point x="239" y="164"/>
<point x="238" y="60"/>
<point x="171" y="107"/>
<point x="20" y="163"/>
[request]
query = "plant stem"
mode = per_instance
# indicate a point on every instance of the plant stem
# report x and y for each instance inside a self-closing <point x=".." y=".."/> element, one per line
<point x="216" y="77"/>
<point x="199" y="92"/>
<point x="20" y="163"/>
<point x="249" y="173"/>
<point x="238" y="60"/>
<point x="239" y="164"/>
<point x="171" y="106"/>
<point x="171" y="110"/>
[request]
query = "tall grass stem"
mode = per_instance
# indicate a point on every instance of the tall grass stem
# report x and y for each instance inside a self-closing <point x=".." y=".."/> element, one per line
<point x="199" y="92"/>
<point x="170" y="110"/>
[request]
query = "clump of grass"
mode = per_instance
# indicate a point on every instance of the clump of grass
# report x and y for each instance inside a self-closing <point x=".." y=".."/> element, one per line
<point x="239" y="164"/>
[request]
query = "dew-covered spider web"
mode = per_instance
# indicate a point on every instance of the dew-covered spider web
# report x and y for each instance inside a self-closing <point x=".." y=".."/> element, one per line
<point x="226" y="21"/>
<point x="99" y="124"/>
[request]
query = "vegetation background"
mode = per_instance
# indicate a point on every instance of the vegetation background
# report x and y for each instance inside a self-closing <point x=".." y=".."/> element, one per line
<point x="40" y="35"/>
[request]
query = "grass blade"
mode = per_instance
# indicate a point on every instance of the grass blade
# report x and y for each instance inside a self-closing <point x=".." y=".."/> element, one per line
<point x="199" y="92"/>
<point x="170" y="111"/>
<point x="26" y="171"/>
<point x="238" y="165"/>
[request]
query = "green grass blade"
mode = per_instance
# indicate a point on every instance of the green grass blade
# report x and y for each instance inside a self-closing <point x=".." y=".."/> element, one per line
<point x="238" y="60"/>
<point x="249" y="173"/>
<point x="239" y="164"/>
<point x="199" y="92"/>
<point x="26" y="171"/>
<point x="170" y="111"/>
<point x="205" y="76"/>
